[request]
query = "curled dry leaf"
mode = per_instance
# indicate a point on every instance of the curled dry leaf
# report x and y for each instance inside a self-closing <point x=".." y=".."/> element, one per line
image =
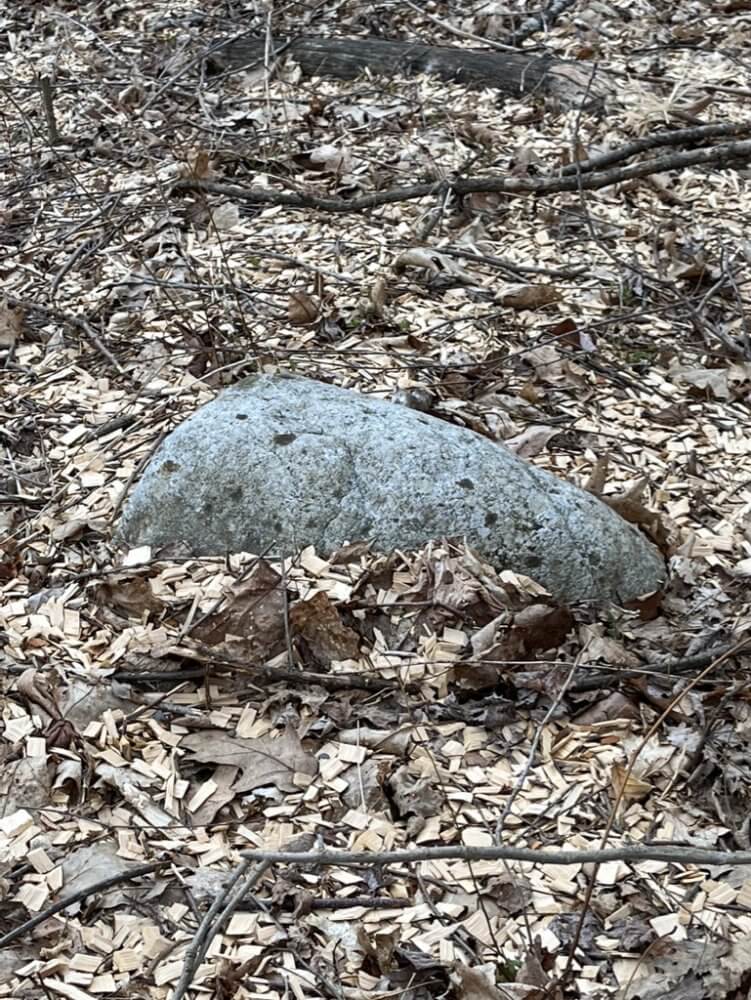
<point x="531" y="441"/>
<point x="530" y="296"/>
<point x="434" y="262"/>
<point x="377" y="297"/>
<point x="11" y="324"/>
<point x="302" y="310"/>
<point x="132" y="594"/>
<point x="633" y="787"/>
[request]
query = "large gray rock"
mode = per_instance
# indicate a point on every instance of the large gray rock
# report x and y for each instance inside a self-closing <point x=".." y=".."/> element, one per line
<point x="282" y="462"/>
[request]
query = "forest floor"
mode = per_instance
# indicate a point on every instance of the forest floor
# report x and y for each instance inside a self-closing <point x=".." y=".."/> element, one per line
<point x="168" y="711"/>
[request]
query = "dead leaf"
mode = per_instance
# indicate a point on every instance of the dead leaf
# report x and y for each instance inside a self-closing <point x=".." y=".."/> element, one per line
<point x="530" y="296"/>
<point x="302" y="310"/>
<point x="76" y="527"/>
<point x="251" y="623"/>
<point x="329" y="159"/>
<point x="224" y="778"/>
<point x="714" y="380"/>
<point x="531" y="441"/>
<point x="546" y="362"/>
<point x="226" y="216"/>
<point x="263" y="761"/>
<point x="132" y="594"/>
<point x="319" y="623"/>
<point x="11" y="324"/>
<point x="475" y="982"/>
<point x="615" y="706"/>
<point x="415" y="796"/>
<point x="541" y="626"/>
<point x="24" y="784"/>
<point x="91" y="864"/>
<point x="634" y="788"/>
<point x="606" y="650"/>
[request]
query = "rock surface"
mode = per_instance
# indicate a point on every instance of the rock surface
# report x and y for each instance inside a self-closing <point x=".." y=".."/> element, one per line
<point x="279" y="462"/>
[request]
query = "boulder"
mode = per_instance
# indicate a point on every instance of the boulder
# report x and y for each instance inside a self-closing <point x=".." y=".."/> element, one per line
<point x="277" y="462"/>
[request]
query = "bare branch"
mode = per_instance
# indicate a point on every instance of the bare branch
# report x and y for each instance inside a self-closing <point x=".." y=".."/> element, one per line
<point x="721" y="155"/>
<point x="216" y="917"/>
<point x="634" y="854"/>
<point x="76" y="897"/>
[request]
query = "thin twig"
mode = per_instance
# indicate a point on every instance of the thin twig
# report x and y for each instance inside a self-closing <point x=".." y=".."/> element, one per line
<point x="459" y="32"/>
<point x="76" y="897"/>
<point x="78" y="322"/>
<point x="241" y="882"/>
<point x="678" y="666"/>
<point x="619" y="797"/>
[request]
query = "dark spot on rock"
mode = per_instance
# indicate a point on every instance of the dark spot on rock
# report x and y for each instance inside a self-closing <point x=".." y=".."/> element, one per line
<point x="168" y="467"/>
<point x="236" y="493"/>
<point x="490" y="519"/>
<point x="534" y="561"/>
<point x="241" y="416"/>
<point x="466" y="484"/>
<point x="208" y="509"/>
<point x="284" y="438"/>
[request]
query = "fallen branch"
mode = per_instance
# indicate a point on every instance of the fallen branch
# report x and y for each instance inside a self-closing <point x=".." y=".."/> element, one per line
<point x="511" y="72"/>
<point x="695" y="136"/>
<point x="273" y="675"/>
<point x="720" y="155"/>
<point x="633" y="854"/>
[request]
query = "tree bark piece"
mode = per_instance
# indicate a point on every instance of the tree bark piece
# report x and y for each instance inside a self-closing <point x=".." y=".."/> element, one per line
<point x="512" y="73"/>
